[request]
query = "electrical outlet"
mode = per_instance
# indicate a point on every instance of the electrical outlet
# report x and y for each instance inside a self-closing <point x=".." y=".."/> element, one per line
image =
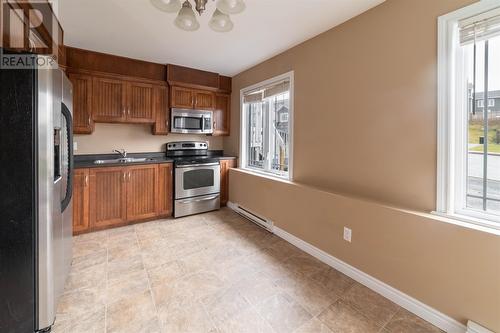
<point x="75" y="145"/>
<point x="347" y="234"/>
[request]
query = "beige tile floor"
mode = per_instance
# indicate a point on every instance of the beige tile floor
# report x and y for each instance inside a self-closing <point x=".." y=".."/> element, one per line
<point x="214" y="272"/>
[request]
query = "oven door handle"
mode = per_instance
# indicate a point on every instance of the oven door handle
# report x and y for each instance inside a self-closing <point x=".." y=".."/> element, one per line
<point x="199" y="200"/>
<point x="197" y="165"/>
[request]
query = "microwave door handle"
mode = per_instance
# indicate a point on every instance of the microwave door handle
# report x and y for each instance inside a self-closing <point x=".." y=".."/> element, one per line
<point x="202" y="123"/>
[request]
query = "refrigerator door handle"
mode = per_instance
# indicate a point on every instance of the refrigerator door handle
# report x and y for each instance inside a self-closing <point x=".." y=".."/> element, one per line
<point x="69" y="132"/>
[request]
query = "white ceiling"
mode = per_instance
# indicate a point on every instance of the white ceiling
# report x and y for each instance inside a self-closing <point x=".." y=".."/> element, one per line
<point x="136" y="29"/>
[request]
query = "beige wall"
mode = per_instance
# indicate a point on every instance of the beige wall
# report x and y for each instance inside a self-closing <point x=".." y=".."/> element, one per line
<point x="133" y="138"/>
<point x="365" y="103"/>
<point x="365" y="127"/>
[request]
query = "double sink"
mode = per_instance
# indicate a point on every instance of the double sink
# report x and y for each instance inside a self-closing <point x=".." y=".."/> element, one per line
<point x="124" y="160"/>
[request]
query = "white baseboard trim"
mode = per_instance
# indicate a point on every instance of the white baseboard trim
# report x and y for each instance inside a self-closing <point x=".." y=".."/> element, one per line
<point x="418" y="308"/>
<point x="472" y="327"/>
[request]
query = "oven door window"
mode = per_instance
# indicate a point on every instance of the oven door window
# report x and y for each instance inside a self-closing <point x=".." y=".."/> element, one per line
<point x="198" y="179"/>
<point x="188" y="123"/>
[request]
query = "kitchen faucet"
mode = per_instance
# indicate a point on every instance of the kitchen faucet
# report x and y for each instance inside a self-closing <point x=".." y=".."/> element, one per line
<point x="122" y="152"/>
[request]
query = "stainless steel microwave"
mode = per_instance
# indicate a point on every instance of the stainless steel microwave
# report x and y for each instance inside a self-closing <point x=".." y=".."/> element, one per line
<point x="191" y="121"/>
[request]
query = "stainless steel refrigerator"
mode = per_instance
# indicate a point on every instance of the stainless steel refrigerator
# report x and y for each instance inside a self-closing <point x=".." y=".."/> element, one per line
<point x="36" y="149"/>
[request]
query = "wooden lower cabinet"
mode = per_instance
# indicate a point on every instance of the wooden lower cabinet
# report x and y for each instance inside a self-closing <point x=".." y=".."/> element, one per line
<point x="112" y="196"/>
<point x="106" y="197"/>
<point x="142" y="191"/>
<point x="81" y="219"/>
<point x="165" y="189"/>
<point x="225" y="165"/>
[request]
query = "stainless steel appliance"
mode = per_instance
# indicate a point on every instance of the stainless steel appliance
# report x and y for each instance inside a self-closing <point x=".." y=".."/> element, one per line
<point x="197" y="178"/>
<point x="36" y="185"/>
<point x="191" y="121"/>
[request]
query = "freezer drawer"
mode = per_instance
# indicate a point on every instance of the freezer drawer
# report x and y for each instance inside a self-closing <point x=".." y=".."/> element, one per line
<point x="190" y="206"/>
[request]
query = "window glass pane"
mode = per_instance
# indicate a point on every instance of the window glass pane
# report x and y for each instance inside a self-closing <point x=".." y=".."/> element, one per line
<point x="482" y="64"/>
<point x="267" y="127"/>
<point x="493" y="120"/>
<point x="279" y="107"/>
<point x="255" y="136"/>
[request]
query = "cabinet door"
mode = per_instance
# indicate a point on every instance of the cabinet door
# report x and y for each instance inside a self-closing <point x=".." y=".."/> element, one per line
<point x="165" y="189"/>
<point x="181" y="98"/>
<point x="222" y="114"/>
<point x="82" y="103"/>
<point x="81" y="201"/>
<point x="108" y="197"/>
<point x="162" y="111"/>
<point x="141" y="191"/>
<point x="140" y="103"/>
<point x="225" y="165"/>
<point x="109" y="100"/>
<point x="204" y="100"/>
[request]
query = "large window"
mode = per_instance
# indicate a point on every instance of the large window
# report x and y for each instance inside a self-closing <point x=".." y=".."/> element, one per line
<point x="469" y="128"/>
<point x="266" y="126"/>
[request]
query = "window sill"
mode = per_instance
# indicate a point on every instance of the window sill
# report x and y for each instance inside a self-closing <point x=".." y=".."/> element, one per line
<point x="470" y="222"/>
<point x="266" y="175"/>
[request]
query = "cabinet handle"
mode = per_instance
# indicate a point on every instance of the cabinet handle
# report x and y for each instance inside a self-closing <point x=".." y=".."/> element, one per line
<point x="215" y="124"/>
<point x="193" y="101"/>
<point x="86" y="180"/>
<point x="129" y="176"/>
<point x="88" y="120"/>
<point x="124" y="175"/>
<point x="123" y="111"/>
<point x="129" y="111"/>
<point x="167" y="123"/>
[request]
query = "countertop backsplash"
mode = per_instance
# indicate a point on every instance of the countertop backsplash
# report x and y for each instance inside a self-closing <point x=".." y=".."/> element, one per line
<point x="134" y="139"/>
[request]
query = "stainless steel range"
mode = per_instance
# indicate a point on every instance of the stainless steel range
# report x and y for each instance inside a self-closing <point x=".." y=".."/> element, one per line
<point x="197" y="178"/>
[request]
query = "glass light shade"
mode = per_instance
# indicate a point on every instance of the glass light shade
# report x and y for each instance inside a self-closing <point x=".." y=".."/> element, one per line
<point x="231" y="7"/>
<point x="220" y="22"/>
<point x="169" y="6"/>
<point x="186" y="20"/>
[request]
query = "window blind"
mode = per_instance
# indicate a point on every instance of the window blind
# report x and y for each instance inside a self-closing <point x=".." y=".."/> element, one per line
<point x="481" y="27"/>
<point x="273" y="89"/>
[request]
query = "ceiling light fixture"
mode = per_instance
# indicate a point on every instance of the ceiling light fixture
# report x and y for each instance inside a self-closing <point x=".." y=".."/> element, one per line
<point x="186" y="17"/>
<point x="231" y="7"/>
<point x="186" y="20"/>
<point x="169" y="6"/>
<point x="220" y="22"/>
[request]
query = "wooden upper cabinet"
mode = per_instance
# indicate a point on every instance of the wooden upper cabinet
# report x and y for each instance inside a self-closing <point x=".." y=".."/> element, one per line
<point x="204" y="100"/>
<point x="222" y="113"/>
<point x="108" y="197"/>
<point x="141" y="191"/>
<point x="81" y="201"/>
<point x="82" y="103"/>
<point x="162" y="111"/>
<point x="182" y="98"/>
<point x="188" y="98"/>
<point x="165" y="189"/>
<point x="225" y="165"/>
<point x="140" y="103"/>
<point x="110" y="100"/>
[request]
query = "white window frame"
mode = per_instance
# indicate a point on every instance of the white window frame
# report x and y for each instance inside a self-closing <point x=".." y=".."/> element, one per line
<point x="244" y="121"/>
<point x="451" y="153"/>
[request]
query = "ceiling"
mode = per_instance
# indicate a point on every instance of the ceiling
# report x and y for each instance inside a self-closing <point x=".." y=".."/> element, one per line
<point x="136" y="29"/>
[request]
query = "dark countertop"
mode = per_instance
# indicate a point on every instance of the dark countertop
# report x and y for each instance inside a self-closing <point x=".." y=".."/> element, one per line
<point x="87" y="161"/>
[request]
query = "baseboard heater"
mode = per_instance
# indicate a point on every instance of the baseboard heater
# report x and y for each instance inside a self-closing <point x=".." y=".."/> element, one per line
<point x="249" y="215"/>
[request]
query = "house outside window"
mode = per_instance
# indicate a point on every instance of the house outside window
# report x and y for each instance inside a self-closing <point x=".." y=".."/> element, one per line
<point x="266" y="127"/>
<point x="469" y="130"/>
